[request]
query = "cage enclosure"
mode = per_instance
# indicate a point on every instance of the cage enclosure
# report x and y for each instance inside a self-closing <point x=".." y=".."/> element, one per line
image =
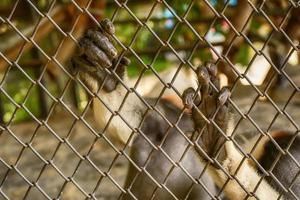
<point x="98" y="109"/>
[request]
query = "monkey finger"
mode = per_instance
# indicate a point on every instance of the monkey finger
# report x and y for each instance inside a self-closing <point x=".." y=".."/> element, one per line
<point x="203" y="78"/>
<point x="102" y="42"/>
<point x="212" y="69"/>
<point x="223" y="96"/>
<point x="188" y="97"/>
<point x="94" y="54"/>
<point x="107" y="26"/>
<point x="125" y="61"/>
<point x="216" y="82"/>
<point x="203" y="75"/>
<point x="81" y="64"/>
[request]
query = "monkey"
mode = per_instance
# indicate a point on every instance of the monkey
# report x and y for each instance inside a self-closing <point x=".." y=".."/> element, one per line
<point x="102" y="72"/>
<point x="216" y="146"/>
<point x="163" y="162"/>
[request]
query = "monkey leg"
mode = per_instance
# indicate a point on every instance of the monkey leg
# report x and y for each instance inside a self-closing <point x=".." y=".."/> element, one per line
<point x="228" y="167"/>
<point x="116" y="110"/>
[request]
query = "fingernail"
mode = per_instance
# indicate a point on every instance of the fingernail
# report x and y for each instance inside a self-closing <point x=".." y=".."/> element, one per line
<point x="108" y="26"/>
<point x="108" y="63"/>
<point x="223" y="97"/>
<point x="203" y="75"/>
<point x="113" y="53"/>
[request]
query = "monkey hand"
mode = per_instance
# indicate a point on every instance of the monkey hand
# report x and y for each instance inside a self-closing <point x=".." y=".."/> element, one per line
<point x="210" y="113"/>
<point x="97" y="62"/>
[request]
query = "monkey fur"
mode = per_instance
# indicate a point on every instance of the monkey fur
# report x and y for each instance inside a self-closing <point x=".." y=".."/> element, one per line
<point x="164" y="165"/>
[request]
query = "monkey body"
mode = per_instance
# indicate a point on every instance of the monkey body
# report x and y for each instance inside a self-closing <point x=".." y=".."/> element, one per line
<point x="142" y="153"/>
<point x="164" y="163"/>
<point x="236" y="174"/>
<point x="131" y="110"/>
<point x="159" y="170"/>
<point x="286" y="170"/>
<point x="167" y="159"/>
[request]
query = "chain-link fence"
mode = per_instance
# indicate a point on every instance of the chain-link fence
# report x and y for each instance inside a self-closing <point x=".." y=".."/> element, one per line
<point x="140" y="143"/>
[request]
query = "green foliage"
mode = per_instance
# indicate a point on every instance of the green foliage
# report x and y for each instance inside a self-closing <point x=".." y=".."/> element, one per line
<point x="136" y="67"/>
<point x="140" y="39"/>
<point x="18" y="89"/>
<point x="5" y="2"/>
<point x="243" y="55"/>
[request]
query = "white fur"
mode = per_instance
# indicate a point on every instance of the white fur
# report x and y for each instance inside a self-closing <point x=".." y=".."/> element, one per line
<point x="184" y="79"/>
<point x="133" y="107"/>
<point x="131" y="111"/>
<point x="151" y="86"/>
<point x="246" y="175"/>
<point x="89" y="81"/>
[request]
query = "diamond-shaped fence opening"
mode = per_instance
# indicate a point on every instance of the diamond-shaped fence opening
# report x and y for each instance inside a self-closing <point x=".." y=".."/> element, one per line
<point x="62" y="139"/>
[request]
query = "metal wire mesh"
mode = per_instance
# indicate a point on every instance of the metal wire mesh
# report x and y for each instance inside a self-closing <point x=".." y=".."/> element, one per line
<point x="61" y="154"/>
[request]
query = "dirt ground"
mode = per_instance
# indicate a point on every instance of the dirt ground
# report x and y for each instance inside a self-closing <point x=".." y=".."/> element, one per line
<point x="102" y="155"/>
<point x="64" y="159"/>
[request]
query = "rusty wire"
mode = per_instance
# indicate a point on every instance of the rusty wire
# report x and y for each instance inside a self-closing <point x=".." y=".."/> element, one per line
<point x="13" y="167"/>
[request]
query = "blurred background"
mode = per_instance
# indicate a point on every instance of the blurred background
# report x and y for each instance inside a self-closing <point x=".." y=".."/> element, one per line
<point x="45" y="114"/>
<point x="52" y="28"/>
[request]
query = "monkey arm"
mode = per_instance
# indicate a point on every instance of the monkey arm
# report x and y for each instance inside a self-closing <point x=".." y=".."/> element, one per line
<point x="246" y="177"/>
<point x="116" y="110"/>
<point x="229" y="169"/>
